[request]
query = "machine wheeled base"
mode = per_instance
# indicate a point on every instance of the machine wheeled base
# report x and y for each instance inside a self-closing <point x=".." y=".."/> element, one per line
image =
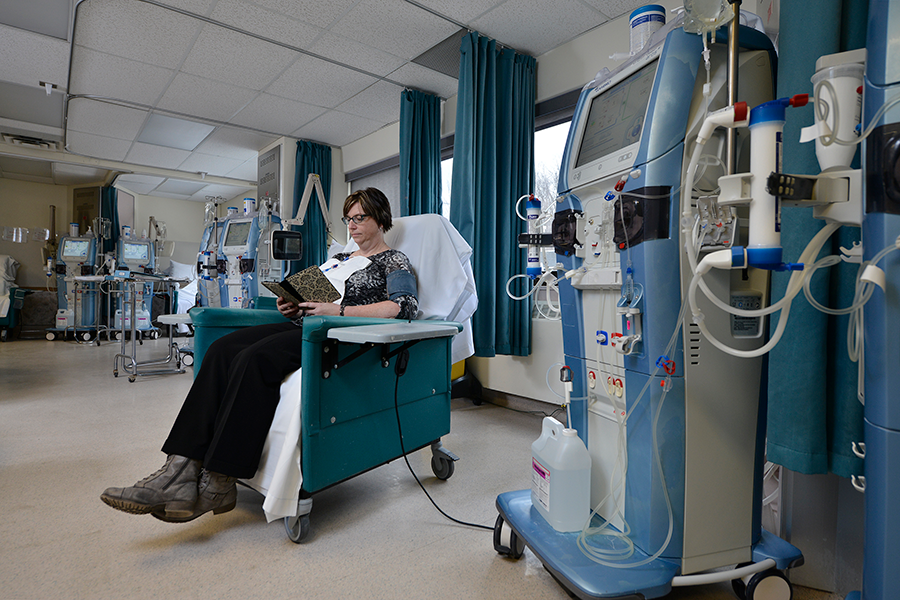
<point x="519" y="524"/>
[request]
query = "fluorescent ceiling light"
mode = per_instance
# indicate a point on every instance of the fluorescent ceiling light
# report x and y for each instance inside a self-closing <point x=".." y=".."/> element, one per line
<point x="170" y="132"/>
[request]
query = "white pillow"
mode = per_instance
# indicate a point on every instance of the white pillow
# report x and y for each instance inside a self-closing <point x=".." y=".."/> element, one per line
<point x="179" y="270"/>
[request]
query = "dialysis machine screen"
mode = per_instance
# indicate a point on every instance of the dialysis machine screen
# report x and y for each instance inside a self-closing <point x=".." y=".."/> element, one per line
<point x="76" y="249"/>
<point x="135" y="251"/>
<point x="616" y="116"/>
<point x="238" y="233"/>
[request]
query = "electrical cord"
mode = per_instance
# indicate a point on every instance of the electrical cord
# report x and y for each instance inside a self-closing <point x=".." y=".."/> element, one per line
<point x="398" y="370"/>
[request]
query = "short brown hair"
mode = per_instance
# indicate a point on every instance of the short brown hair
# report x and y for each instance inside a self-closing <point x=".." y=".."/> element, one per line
<point x="374" y="203"/>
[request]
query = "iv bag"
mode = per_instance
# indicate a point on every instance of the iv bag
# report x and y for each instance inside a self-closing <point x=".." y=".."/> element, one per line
<point x="703" y="16"/>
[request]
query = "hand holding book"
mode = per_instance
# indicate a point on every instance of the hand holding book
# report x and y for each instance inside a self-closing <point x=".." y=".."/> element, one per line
<point x="309" y="285"/>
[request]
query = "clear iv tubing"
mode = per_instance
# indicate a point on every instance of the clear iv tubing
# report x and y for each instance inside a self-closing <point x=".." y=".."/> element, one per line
<point x="822" y="108"/>
<point x="599" y="555"/>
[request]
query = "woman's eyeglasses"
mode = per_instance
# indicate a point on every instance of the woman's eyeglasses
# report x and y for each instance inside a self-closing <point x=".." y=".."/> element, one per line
<point x="358" y="219"/>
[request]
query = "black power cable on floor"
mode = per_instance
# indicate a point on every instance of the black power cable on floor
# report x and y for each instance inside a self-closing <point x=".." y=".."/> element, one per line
<point x="400" y="369"/>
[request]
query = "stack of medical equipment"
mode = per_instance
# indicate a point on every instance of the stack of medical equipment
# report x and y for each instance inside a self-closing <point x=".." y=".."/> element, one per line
<point x="78" y="298"/>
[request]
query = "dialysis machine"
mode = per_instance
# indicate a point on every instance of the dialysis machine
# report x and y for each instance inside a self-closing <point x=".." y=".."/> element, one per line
<point x="77" y="301"/>
<point x="207" y="258"/>
<point x="135" y="255"/>
<point x="674" y="426"/>
<point x="880" y="230"/>
<point x="245" y="257"/>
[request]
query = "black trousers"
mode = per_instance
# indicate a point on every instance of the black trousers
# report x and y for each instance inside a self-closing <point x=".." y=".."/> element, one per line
<point x="226" y="416"/>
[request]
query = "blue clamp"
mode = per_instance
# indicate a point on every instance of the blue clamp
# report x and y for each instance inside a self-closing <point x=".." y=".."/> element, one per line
<point x="610" y="196"/>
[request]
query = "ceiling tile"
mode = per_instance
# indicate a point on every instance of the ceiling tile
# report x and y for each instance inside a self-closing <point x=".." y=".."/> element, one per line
<point x="170" y="195"/>
<point x="88" y="144"/>
<point x="247" y="171"/>
<point x="320" y="83"/>
<point x="204" y="98"/>
<point x="141" y="184"/>
<point x="337" y="129"/>
<point x="315" y="12"/>
<point x="228" y="192"/>
<point x="425" y="80"/>
<point x="234" y="143"/>
<point x="231" y="57"/>
<point x="30" y="105"/>
<point x="103" y="118"/>
<point x="156" y="156"/>
<point x="136" y="30"/>
<point x="138" y="178"/>
<point x="200" y="7"/>
<point x="394" y="26"/>
<point x="275" y="114"/>
<point x="513" y="23"/>
<point x="64" y="174"/>
<point x="464" y="11"/>
<point x="177" y="186"/>
<point x="350" y="52"/>
<point x="46" y="17"/>
<point x="29" y="58"/>
<point x="23" y="166"/>
<point x="100" y="74"/>
<point x="265" y="23"/>
<point x="379" y="102"/>
<point x="616" y="8"/>
<point x="172" y="132"/>
<point x="209" y="164"/>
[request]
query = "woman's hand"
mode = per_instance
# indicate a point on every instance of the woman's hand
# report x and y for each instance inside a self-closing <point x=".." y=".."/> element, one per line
<point x="319" y="308"/>
<point x="287" y="308"/>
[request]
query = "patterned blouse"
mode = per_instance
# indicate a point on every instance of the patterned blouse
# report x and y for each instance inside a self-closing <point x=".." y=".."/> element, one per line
<point x="388" y="276"/>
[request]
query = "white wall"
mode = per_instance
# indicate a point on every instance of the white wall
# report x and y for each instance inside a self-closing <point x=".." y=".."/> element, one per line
<point x="184" y="221"/>
<point x="27" y="204"/>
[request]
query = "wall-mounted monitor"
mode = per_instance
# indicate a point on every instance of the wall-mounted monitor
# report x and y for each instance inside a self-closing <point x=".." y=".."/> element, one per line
<point x="237" y="233"/>
<point x="75" y="249"/>
<point x="136" y="251"/>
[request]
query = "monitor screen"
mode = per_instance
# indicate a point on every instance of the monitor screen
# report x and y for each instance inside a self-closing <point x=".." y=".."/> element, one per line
<point x="287" y="245"/>
<point x="616" y="116"/>
<point x="136" y="251"/>
<point x="238" y="233"/>
<point x="75" y="248"/>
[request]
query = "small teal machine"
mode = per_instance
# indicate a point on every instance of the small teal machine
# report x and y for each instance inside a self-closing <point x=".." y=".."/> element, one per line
<point x="77" y="301"/>
<point x="245" y="255"/>
<point x="675" y="426"/>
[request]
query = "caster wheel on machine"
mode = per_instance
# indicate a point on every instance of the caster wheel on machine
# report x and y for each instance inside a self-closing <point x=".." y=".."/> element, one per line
<point x="506" y="542"/>
<point x="51" y="337"/>
<point x="768" y="585"/>
<point x="187" y="360"/>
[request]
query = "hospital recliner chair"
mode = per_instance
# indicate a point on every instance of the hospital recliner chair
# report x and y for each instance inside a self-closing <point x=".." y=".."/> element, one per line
<point x="337" y="416"/>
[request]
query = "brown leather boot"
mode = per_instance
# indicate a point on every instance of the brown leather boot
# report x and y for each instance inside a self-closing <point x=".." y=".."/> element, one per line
<point x="216" y="492"/>
<point x="172" y="490"/>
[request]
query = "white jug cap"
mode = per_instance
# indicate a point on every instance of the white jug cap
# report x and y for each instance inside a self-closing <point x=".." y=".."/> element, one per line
<point x="570" y="432"/>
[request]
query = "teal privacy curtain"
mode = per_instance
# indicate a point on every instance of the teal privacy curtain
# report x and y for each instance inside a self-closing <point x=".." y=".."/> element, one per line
<point x="109" y="209"/>
<point x="814" y="413"/>
<point x="493" y="165"/>
<point x="312" y="158"/>
<point x="420" y="153"/>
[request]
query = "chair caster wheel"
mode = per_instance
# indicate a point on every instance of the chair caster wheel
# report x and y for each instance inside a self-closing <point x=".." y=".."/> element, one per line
<point x="297" y="528"/>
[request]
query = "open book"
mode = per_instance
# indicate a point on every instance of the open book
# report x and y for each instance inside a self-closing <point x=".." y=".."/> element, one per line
<point x="309" y="285"/>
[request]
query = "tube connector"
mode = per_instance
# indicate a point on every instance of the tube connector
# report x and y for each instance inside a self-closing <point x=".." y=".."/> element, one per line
<point x="730" y="116"/>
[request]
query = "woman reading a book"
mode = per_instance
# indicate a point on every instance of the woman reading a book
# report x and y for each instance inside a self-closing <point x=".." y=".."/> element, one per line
<point x="219" y="433"/>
